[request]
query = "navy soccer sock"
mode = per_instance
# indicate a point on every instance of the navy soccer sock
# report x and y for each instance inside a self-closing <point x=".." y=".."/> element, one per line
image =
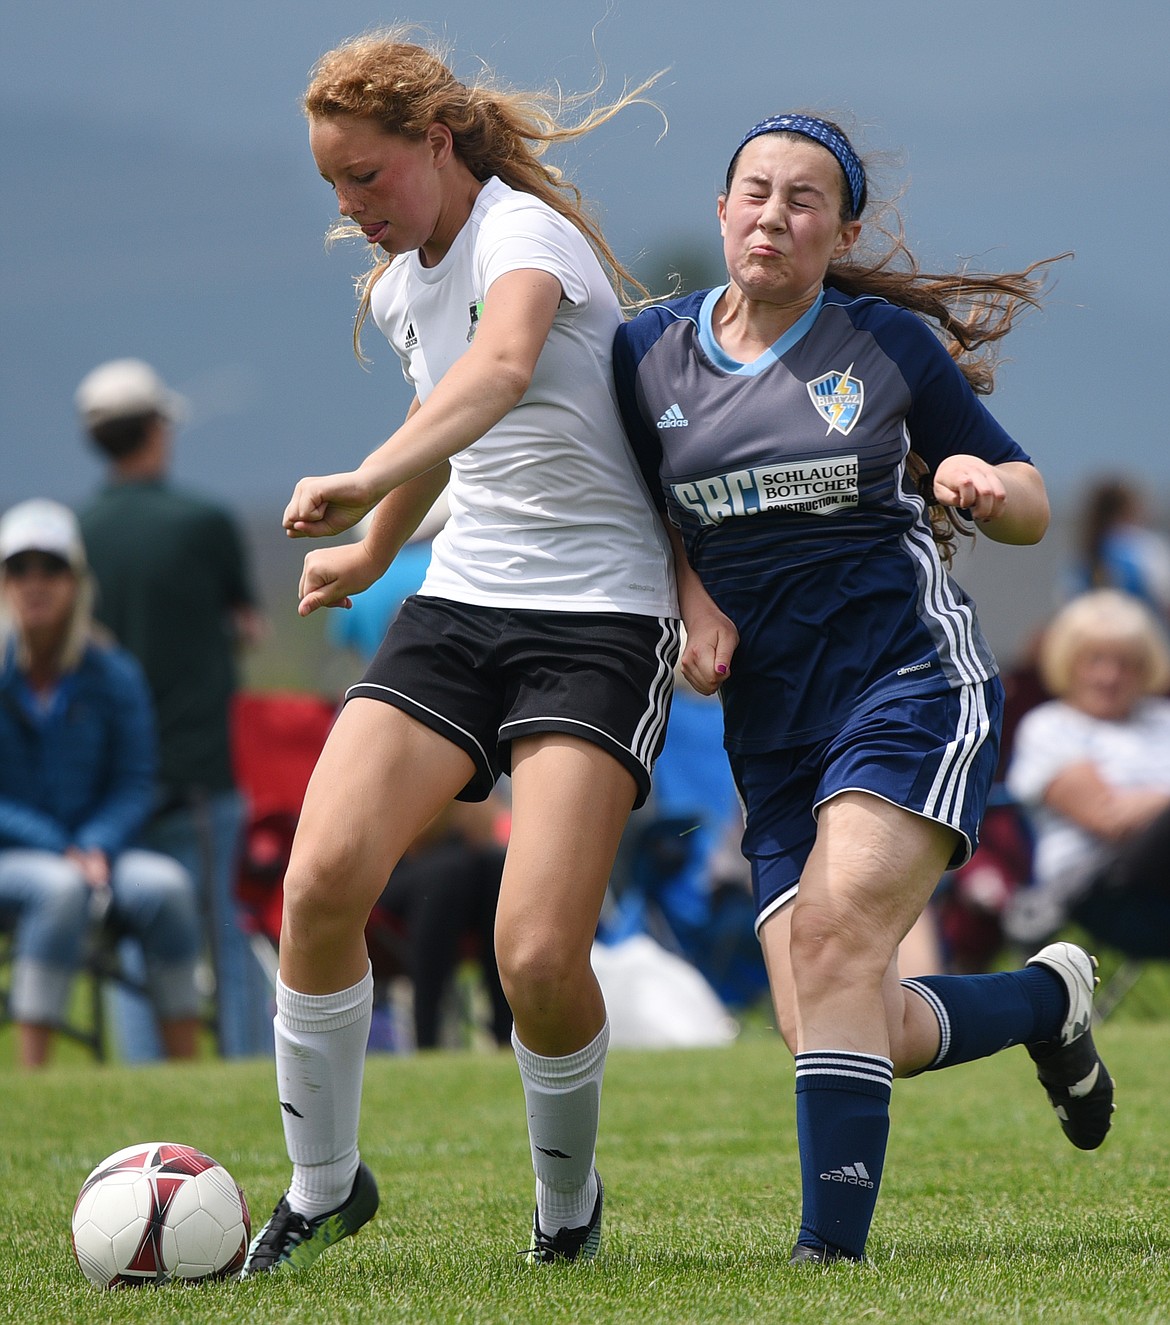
<point x="979" y="1015"/>
<point x="842" y="1124"/>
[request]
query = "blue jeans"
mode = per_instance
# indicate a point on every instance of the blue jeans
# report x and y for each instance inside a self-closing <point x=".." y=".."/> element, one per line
<point x="47" y="902"/>
<point x="206" y="838"/>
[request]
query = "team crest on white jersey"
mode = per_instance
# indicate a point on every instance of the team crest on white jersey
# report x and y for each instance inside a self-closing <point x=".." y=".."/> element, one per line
<point x="838" y="398"/>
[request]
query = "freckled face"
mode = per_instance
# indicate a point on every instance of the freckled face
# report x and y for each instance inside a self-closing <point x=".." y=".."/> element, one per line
<point x="781" y="219"/>
<point x="387" y="184"/>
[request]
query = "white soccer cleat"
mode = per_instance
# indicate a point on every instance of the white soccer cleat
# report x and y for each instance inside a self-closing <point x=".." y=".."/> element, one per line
<point x="1070" y="1069"/>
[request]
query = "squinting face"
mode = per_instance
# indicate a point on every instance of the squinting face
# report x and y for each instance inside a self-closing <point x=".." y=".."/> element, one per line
<point x="387" y="184"/>
<point x="1107" y="680"/>
<point x="781" y="219"/>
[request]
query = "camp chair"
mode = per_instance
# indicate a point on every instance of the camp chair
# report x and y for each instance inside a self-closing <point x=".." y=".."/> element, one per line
<point x="276" y="739"/>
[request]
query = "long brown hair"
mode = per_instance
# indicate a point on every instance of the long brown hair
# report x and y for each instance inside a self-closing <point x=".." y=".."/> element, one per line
<point x="404" y="88"/>
<point x="970" y="311"/>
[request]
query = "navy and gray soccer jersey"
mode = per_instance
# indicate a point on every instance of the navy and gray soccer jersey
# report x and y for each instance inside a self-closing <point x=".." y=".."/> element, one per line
<point x="787" y="478"/>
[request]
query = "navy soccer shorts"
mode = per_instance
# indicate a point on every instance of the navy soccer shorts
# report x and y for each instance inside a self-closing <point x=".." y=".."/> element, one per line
<point x="485" y="676"/>
<point x="934" y="755"/>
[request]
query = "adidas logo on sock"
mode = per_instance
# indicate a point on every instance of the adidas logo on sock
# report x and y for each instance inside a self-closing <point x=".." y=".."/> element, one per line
<point x="674" y="418"/>
<point x="853" y="1175"/>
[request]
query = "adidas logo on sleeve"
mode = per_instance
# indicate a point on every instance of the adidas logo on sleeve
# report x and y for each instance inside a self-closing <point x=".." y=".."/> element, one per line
<point x="674" y="418"/>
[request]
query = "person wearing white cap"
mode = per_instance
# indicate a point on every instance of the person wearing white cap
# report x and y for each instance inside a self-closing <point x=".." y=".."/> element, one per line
<point x="126" y="389"/>
<point x="77" y="759"/>
<point x="175" y="589"/>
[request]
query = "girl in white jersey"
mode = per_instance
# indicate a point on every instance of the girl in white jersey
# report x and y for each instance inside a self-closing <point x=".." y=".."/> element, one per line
<point x="541" y="642"/>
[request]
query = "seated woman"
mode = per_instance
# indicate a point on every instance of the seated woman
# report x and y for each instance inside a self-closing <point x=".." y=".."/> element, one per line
<point x="1093" y="768"/>
<point x="77" y="759"/>
<point x="444" y="891"/>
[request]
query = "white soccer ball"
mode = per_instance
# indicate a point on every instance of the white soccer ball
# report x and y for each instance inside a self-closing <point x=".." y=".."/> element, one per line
<point x="159" y="1211"/>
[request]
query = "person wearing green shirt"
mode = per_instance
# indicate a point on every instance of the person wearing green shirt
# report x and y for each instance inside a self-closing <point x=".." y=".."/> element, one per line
<point x="175" y="590"/>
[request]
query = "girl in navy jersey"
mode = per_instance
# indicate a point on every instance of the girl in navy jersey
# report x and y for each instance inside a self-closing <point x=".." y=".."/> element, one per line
<point x="541" y="642"/>
<point x="816" y="447"/>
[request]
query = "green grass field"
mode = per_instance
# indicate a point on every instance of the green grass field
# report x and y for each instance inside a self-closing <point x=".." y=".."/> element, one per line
<point x="987" y="1214"/>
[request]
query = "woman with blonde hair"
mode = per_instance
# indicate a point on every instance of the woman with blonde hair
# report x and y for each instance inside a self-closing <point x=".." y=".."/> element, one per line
<point x="1092" y="766"/>
<point x="77" y="760"/>
<point x="541" y="642"/>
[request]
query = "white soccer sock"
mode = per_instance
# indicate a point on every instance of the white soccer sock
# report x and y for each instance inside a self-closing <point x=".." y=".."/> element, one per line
<point x="563" y="1099"/>
<point x="320" y="1059"/>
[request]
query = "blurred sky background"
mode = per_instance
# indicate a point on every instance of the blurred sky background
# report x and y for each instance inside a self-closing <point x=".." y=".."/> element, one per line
<point x="159" y="200"/>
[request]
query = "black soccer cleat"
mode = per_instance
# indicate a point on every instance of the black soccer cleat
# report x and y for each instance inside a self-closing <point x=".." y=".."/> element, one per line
<point x="806" y="1254"/>
<point x="290" y="1242"/>
<point x="567" y="1244"/>
<point x="1070" y="1069"/>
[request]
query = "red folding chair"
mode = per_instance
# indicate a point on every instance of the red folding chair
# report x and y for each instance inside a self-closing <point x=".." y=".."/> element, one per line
<point x="276" y="739"/>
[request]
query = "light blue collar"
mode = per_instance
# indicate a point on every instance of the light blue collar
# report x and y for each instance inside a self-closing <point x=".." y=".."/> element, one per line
<point x="721" y="359"/>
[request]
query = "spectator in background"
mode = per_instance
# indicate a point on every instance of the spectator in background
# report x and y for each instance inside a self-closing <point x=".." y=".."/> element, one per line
<point x="77" y="759"/>
<point x="1118" y="549"/>
<point x="1093" y="767"/>
<point x="445" y="890"/>
<point x="174" y="588"/>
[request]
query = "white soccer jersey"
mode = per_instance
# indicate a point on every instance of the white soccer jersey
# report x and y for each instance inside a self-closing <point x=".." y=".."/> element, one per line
<point x="548" y="509"/>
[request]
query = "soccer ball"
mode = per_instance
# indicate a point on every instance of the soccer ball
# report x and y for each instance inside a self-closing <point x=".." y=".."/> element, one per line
<point x="159" y="1211"/>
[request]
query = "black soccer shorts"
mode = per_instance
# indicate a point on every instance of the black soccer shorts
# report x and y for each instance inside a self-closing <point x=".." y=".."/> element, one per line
<point x="484" y="676"/>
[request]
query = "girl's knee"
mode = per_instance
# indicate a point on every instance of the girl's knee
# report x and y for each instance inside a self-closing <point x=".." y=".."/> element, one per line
<point x="830" y="949"/>
<point x="540" y="971"/>
<point x="326" y="904"/>
<point x="821" y="935"/>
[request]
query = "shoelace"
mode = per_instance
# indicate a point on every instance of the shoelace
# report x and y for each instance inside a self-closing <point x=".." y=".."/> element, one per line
<point x="274" y="1241"/>
<point x="542" y="1249"/>
<point x="547" y="1248"/>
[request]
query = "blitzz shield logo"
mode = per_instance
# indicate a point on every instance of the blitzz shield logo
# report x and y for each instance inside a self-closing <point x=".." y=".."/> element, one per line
<point x="838" y="398"/>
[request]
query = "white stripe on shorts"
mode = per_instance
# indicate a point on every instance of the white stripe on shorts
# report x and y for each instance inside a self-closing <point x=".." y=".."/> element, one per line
<point x="649" y="731"/>
<point x="945" y="800"/>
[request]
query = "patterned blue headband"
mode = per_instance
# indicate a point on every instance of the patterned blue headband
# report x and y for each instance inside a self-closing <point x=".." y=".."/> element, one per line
<point x="820" y="131"/>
